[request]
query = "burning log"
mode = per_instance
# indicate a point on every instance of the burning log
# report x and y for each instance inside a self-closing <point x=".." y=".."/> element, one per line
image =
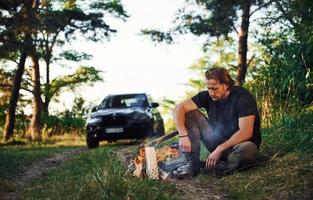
<point x="139" y="163"/>
<point x="152" y="169"/>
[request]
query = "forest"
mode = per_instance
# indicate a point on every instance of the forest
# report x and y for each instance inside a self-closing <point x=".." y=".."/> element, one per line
<point x="267" y="45"/>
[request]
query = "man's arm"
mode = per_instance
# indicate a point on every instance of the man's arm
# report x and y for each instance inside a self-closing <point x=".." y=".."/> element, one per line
<point x="179" y="119"/>
<point x="244" y="133"/>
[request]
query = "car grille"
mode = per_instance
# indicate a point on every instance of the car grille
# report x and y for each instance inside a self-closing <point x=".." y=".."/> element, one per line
<point x="114" y="120"/>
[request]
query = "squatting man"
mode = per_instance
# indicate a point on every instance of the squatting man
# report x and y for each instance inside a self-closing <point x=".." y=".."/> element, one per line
<point x="230" y="131"/>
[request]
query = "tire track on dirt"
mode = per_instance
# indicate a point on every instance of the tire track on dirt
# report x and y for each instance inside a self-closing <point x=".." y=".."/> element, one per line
<point x="37" y="169"/>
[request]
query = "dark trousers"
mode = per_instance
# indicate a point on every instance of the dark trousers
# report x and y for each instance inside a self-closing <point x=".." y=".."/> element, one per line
<point x="199" y="130"/>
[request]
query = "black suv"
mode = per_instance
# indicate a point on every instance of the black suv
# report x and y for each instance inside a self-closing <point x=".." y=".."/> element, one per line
<point x="123" y="116"/>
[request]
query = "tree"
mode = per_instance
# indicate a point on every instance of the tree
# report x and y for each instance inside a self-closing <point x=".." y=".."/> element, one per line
<point x="23" y="20"/>
<point x="34" y="130"/>
<point x="73" y="56"/>
<point x="15" y="36"/>
<point x="216" y="18"/>
<point x="61" y="25"/>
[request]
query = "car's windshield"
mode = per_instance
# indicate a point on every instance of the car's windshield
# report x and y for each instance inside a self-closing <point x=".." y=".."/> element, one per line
<point x="125" y="101"/>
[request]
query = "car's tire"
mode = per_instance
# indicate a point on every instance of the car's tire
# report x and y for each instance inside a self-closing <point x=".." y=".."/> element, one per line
<point x="91" y="141"/>
<point x="161" y="130"/>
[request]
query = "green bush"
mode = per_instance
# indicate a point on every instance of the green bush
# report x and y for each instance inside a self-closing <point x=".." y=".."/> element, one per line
<point x="58" y="125"/>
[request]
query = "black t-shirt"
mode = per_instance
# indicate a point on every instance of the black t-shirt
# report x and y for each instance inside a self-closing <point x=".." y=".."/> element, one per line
<point x="224" y="114"/>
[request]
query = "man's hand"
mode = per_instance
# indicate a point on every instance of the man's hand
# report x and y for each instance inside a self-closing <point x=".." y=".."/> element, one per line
<point x="185" y="144"/>
<point x="213" y="158"/>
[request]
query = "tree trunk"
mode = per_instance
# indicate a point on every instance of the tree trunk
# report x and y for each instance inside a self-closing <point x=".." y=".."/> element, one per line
<point x="243" y="43"/>
<point x="47" y="90"/>
<point x="34" y="130"/>
<point x="48" y="55"/>
<point x="10" y="115"/>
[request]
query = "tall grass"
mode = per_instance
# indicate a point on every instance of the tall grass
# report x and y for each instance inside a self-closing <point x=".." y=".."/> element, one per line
<point x="292" y="132"/>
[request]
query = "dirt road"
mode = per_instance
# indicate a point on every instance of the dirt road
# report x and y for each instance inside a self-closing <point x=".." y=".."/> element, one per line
<point x="36" y="170"/>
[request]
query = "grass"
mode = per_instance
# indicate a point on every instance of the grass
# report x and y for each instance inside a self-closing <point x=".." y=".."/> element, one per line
<point x="96" y="174"/>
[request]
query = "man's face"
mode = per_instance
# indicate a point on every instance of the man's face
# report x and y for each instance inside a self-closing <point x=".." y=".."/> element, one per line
<point x="216" y="90"/>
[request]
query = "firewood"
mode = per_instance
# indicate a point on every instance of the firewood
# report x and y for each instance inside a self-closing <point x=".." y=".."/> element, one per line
<point x="152" y="169"/>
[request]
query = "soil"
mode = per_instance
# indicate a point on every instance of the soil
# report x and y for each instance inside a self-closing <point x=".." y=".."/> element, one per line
<point x="36" y="170"/>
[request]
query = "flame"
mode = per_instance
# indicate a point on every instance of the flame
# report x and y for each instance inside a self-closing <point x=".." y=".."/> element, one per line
<point x="140" y="158"/>
<point x="165" y="152"/>
<point x="138" y="162"/>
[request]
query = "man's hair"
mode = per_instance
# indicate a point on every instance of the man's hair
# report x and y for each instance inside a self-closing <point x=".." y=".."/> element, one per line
<point x="221" y="75"/>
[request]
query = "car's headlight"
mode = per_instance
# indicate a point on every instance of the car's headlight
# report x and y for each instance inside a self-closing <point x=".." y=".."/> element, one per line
<point x="139" y="117"/>
<point x="94" y="120"/>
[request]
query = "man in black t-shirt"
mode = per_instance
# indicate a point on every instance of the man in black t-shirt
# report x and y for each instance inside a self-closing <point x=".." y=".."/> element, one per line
<point x="231" y="130"/>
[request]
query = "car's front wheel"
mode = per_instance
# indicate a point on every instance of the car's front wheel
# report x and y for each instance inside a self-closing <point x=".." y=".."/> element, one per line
<point x="92" y="142"/>
<point x="161" y="130"/>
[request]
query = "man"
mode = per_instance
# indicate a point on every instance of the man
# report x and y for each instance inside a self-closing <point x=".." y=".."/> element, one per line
<point x="231" y="132"/>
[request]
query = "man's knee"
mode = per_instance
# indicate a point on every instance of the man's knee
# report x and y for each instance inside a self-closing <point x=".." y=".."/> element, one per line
<point x="195" y="117"/>
<point x="247" y="151"/>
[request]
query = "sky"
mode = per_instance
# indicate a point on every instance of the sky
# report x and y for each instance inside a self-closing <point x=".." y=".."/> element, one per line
<point x="133" y="63"/>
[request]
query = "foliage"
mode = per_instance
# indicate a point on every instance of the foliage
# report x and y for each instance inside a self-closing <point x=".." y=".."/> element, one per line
<point x="73" y="55"/>
<point x="6" y="79"/>
<point x="84" y="75"/>
<point x="211" y="18"/>
<point x="158" y="36"/>
<point x="167" y="106"/>
<point x="287" y="76"/>
<point x="293" y="132"/>
<point x="45" y="24"/>
<point x="215" y="19"/>
<point x="100" y="174"/>
<point x="284" y="82"/>
<point x="218" y="54"/>
<point x="69" y="121"/>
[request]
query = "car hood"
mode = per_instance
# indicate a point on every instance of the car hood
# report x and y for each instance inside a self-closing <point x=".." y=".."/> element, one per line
<point x="118" y="111"/>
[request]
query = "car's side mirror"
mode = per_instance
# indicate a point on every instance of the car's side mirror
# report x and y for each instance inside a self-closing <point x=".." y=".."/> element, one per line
<point x="95" y="108"/>
<point x="154" y="104"/>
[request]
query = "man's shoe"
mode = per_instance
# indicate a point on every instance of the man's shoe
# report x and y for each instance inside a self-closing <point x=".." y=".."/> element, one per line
<point x="197" y="167"/>
<point x="182" y="171"/>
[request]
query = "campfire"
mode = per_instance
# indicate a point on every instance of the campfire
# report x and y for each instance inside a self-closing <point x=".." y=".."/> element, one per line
<point x="156" y="163"/>
<point x="146" y="163"/>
